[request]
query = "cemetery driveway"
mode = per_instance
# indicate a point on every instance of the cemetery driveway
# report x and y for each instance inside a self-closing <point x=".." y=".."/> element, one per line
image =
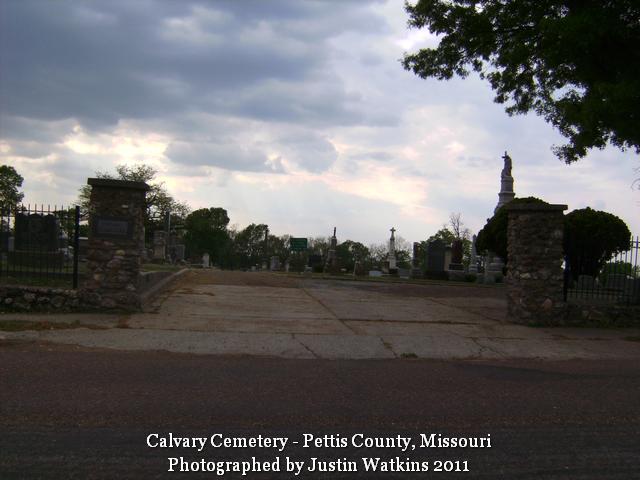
<point x="289" y="316"/>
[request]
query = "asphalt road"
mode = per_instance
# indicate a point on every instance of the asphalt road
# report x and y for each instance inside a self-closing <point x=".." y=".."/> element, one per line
<point x="67" y="412"/>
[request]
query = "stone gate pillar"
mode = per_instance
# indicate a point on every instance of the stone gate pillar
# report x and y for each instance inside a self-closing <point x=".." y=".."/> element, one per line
<point x="116" y="238"/>
<point x="535" y="277"/>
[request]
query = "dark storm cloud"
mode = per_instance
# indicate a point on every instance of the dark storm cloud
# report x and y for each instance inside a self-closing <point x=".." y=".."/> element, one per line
<point x="100" y="62"/>
<point x="309" y="150"/>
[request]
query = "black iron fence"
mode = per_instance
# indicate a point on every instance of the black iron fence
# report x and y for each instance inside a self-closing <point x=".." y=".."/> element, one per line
<point x="617" y="281"/>
<point x="39" y="246"/>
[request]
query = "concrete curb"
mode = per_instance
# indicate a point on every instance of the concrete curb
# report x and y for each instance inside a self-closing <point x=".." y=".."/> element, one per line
<point x="151" y="293"/>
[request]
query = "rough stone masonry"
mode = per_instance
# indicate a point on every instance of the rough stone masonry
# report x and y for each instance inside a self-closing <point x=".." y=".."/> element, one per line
<point x="116" y="238"/>
<point x="535" y="275"/>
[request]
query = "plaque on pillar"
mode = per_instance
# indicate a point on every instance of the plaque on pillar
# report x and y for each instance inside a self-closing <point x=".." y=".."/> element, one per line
<point x="112" y="227"/>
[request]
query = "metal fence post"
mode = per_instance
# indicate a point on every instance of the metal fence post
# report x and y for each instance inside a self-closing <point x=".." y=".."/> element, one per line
<point x="76" y="246"/>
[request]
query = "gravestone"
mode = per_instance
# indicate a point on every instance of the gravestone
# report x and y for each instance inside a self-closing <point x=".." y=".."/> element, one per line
<point x="274" y="263"/>
<point x="83" y="247"/>
<point x="178" y="252"/>
<point x="36" y="232"/>
<point x="473" y="260"/>
<point x="205" y="260"/>
<point x="435" y="256"/>
<point x="418" y="253"/>
<point x="456" y="255"/>
<point x="36" y="242"/>
<point x="159" y="245"/>
<point x="315" y="262"/>
<point x="358" y="268"/>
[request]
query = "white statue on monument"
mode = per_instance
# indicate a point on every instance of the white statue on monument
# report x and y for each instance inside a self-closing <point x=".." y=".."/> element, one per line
<point x="506" y="183"/>
<point x="494" y="265"/>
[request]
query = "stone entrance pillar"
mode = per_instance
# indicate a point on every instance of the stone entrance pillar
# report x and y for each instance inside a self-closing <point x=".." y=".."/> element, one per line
<point x="116" y="238"/>
<point x="535" y="277"/>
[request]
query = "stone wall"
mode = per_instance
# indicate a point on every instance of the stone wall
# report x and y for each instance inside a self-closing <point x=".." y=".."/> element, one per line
<point x="599" y="316"/>
<point x="24" y="298"/>
<point x="535" y="276"/>
<point x="41" y="299"/>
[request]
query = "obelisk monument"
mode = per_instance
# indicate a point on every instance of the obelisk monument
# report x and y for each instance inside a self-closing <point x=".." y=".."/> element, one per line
<point x="393" y="268"/>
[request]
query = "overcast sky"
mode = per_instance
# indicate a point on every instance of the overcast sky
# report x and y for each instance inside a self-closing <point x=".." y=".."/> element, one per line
<point x="293" y="113"/>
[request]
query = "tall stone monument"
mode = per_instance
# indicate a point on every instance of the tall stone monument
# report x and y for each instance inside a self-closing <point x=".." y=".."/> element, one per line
<point x="393" y="267"/>
<point x="506" y="183"/>
<point x="473" y="260"/>
<point x="494" y="264"/>
<point x="331" y="265"/>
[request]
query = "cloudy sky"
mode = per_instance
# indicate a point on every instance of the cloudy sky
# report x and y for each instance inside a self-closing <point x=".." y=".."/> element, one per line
<point x="293" y="113"/>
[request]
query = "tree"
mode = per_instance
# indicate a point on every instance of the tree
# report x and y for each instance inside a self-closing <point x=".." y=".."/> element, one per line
<point x="591" y="238"/>
<point x="378" y="253"/>
<point x="278" y="247"/>
<point x="206" y="231"/>
<point x="460" y="232"/>
<point x="319" y="245"/>
<point x="158" y="201"/>
<point x="348" y="252"/>
<point x="444" y="234"/>
<point x="10" y="181"/>
<point x="403" y="252"/>
<point x="493" y="236"/>
<point x="574" y="62"/>
<point x="249" y="245"/>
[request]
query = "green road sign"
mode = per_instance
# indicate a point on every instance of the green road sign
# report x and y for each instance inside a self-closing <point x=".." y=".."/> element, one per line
<point x="297" y="244"/>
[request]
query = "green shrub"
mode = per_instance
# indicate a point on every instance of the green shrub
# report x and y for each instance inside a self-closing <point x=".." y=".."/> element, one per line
<point x="591" y="238"/>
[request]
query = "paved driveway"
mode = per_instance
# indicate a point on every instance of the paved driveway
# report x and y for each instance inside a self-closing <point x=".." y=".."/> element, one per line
<point x="249" y="313"/>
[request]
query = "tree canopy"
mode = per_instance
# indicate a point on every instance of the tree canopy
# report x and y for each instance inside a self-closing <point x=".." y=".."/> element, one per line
<point x="249" y="245"/>
<point x="574" y="62"/>
<point x="158" y="200"/>
<point x="591" y="238"/>
<point x="493" y="236"/>
<point x="206" y="231"/>
<point x="10" y="181"/>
